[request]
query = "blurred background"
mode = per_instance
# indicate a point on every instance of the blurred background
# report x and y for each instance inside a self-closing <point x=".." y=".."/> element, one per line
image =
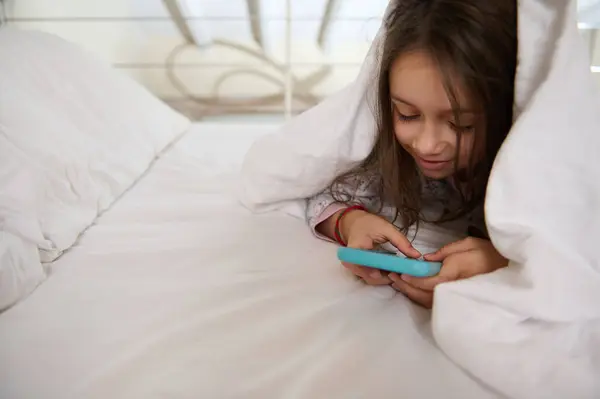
<point x="231" y="59"/>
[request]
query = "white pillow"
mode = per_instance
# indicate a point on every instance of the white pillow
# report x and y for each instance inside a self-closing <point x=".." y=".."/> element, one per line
<point x="20" y="233"/>
<point x="74" y="135"/>
<point x="86" y="131"/>
<point x="20" y="269"/>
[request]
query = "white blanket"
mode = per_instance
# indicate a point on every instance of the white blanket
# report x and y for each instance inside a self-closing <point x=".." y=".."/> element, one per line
<point x="531" y="330"/>
<point x="179" y="292"/>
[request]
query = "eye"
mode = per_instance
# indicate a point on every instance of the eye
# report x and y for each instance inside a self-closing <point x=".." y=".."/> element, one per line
<point x="408" y="118"/>
<point x="461" y="129"/>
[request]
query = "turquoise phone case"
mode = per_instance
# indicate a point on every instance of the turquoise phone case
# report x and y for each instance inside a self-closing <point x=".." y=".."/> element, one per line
<point x="389" y="262"/>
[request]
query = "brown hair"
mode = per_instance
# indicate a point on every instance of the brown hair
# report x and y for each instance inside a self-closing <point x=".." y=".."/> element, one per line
<point x="473" y="40"/>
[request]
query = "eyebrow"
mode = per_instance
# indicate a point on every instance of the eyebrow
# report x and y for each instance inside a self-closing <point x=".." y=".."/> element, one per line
<point x="450" y="110"/>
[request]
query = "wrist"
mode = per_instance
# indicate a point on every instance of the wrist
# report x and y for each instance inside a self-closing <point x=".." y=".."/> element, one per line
<point x="346" y="220"/>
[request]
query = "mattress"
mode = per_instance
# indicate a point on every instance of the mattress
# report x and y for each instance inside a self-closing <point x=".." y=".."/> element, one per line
<point x="179" y="292"/>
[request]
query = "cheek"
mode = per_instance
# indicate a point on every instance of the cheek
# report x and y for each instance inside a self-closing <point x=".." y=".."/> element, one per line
<point x="405" y="132"/>
<point x="400" y="133"/>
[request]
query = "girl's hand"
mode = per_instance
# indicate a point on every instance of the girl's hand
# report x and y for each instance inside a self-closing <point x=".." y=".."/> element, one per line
<point x="363" y="230"/>
<point x="461" y="260"/>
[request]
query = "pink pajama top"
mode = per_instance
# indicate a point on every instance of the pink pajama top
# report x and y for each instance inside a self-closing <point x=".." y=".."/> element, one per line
<point x="438" y="196"/>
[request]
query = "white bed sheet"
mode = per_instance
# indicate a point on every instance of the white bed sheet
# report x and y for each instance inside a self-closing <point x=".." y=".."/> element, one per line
<point x="179" y="292"/>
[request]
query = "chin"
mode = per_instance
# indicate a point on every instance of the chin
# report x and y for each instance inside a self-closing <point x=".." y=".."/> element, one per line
<point x="436" y="174"/>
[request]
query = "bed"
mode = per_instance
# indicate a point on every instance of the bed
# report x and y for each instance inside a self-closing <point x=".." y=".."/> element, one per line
<point x="178" y="291"/>
<point x="129" y="269"/>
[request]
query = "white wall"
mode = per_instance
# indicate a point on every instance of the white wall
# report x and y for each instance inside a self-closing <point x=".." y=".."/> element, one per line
<point x="137" y="37"/>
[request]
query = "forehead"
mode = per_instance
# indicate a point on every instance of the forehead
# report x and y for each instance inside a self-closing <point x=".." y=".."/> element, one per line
<point x="415" y="78"/>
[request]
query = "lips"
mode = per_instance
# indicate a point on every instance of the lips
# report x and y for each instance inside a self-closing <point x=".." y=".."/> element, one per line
<point x="432" y="165"/>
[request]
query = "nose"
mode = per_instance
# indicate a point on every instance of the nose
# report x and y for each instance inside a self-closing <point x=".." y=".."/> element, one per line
<point x="429" y="140"/>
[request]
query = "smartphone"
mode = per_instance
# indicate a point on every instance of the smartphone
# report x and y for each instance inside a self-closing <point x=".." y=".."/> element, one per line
<point x="389" y="262"/>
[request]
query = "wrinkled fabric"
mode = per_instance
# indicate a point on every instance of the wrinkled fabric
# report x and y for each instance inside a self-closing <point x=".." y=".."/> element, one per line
<point x="74" y="135"/>
<point x="531" y="330"/>
<point x="206" y="300"/>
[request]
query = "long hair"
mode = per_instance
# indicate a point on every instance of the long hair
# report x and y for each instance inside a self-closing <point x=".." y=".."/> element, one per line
<point x="473" y="41"/>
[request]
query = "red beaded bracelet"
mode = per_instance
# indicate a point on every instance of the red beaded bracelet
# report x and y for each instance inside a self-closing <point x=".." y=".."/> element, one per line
<point x="336" y="231"/>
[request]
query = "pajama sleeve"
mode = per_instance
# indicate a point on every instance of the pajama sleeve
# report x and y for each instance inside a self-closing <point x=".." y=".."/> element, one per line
<point x="358" y="190"/>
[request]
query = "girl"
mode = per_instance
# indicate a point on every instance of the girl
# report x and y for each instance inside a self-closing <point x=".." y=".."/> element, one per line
<point x="444" y="106"/>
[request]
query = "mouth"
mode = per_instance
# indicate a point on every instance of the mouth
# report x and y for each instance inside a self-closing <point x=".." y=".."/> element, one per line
<point x="432" y="165"/>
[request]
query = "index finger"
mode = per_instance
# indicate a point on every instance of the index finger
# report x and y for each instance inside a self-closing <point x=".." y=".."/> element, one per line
<point x="399" y="240"/>
<point x="425" y="284"/>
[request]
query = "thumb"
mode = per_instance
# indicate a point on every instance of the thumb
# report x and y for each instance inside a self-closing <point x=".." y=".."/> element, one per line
<point x="451" y="270"/>
<point x="400" y="241"/>
<point x="449" y="249"/>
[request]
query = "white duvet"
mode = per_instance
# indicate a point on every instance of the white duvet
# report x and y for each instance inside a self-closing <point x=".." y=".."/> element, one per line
<point x="531" y="330"/>
<point x="177" y="291"/>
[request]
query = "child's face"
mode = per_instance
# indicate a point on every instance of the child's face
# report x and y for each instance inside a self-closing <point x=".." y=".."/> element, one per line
<point x="424" y="122"/>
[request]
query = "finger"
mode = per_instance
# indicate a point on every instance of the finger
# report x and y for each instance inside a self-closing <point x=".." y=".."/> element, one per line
<point x="380" y="280"/>
<point x="370" y="276"/>
<point x="425" y="284"/>
<point x="437" y="256"/>
<point x="399" y="240"/>
<point x="423" y="298"/>
<point x="464" y="245"/>
<point x="450" y="271"/>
